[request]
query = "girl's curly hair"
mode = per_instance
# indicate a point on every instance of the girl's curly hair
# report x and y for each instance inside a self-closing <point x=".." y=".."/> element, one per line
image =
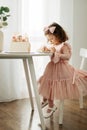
<point x="59" y="32"/>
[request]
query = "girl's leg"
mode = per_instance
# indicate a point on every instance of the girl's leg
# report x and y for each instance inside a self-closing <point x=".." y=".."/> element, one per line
<point x="44" y="102"/>
<point x="50" y="104"/>
<point x="51" y="108"/>
<point x="44" y="99"/>
<point x="50" y="101"/>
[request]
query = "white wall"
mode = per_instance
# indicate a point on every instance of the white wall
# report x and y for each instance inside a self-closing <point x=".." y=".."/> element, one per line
<point x="73" y="18"/>
<point x="79" y="29"/>
<point x="66" y="18"/>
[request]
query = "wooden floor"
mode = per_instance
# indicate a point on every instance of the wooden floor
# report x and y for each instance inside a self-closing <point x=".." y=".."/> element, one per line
<point x="17" y="115"/>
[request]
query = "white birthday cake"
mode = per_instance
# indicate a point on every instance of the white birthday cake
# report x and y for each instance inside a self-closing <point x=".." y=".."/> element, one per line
<point x="20" y="44"/>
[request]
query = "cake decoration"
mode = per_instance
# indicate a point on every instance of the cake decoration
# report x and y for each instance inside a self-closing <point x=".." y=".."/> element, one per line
<point x="20" y="43"/>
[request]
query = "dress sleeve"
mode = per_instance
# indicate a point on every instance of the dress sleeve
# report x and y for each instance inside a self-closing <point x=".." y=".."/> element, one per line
<point x="65" y="53"/>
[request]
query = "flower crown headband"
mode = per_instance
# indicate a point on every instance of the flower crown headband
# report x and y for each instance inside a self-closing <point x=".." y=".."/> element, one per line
<point x="51" y="29"/>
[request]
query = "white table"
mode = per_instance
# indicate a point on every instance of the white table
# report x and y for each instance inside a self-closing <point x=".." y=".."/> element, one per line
<point x="28" y="66"/>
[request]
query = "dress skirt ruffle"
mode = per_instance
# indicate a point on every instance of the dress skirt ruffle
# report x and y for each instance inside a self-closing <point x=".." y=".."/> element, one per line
<point x="62" y="81"/>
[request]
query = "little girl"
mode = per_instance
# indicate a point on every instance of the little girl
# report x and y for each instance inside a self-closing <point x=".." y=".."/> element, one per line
<point x="60" y="80"/>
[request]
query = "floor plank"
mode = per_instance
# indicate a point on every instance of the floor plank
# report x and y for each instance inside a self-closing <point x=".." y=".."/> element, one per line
<point x="17" y="115"/>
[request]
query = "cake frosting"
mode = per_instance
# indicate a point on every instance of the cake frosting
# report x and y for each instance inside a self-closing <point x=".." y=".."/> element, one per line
<point x="20" y="44"/>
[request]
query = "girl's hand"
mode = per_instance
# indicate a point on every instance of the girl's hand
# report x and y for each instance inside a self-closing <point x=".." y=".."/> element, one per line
<point x="45" y="49"/>
<point x="52" y="49"/>
<point x="58" y="54"/>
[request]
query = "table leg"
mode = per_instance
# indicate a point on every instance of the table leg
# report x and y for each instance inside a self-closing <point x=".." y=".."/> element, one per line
<point x="33" y="78"/>
<point x="28" y="82"/>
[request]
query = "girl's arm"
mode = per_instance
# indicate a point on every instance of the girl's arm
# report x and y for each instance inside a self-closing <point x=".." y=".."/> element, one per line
<point x="44" y="49"/>
<point x="55" y="58"/>
<point x="65" y="53"/>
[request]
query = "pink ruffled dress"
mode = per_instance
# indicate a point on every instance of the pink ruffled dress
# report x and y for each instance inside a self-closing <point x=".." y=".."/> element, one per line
<point x="61" y="80"/>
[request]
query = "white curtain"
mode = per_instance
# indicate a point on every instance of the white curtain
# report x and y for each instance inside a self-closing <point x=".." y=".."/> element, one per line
<point x="27" y="17"/>
<point x="35" y="16"/>
<point x="12" y="79"/>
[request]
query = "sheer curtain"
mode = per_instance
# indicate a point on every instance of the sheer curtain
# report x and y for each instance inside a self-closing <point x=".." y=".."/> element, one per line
<point x="12" y="84"/>
<point x="27" y="17"/>
<point x="35" y="16"/>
